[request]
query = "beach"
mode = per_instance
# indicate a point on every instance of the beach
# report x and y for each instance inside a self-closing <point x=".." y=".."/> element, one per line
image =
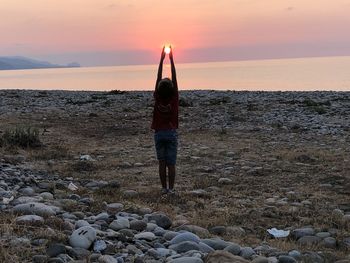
<point x="248" y="161"/>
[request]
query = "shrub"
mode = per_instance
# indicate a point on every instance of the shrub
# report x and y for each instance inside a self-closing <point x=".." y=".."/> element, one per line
<point x="21" y="136"/>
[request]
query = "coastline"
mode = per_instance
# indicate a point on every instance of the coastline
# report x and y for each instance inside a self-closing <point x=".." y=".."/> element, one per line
<point x="247" y="161"/>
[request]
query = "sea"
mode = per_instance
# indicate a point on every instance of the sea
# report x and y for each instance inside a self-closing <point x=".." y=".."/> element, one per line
<point x="297" y="74"/>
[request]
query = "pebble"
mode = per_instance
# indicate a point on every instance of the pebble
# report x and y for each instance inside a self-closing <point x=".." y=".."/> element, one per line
<point x="83" y="237"/>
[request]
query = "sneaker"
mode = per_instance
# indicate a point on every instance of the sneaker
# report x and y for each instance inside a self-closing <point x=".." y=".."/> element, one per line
<point x="171" y="192"/>
<point x="164" y="191"/>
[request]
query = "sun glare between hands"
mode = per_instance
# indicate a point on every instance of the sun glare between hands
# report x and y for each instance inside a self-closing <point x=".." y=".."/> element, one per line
<point x="167" y="50"/>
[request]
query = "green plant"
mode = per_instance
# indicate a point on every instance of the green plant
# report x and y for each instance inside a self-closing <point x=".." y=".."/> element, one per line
<point x="21" y="136"/>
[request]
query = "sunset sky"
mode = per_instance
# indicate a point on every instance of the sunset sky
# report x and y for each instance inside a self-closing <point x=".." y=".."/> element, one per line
<point x="112" y="32"/>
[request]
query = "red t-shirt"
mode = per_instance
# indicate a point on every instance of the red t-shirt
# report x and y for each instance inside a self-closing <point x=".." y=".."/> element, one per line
<point x="165" y="112"/>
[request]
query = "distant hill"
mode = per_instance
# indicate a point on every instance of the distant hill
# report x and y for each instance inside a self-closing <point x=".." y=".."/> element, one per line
<point x="8" y="63"/>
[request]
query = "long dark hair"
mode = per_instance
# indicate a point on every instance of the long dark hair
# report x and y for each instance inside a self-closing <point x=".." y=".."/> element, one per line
<point x="166" y="89"/>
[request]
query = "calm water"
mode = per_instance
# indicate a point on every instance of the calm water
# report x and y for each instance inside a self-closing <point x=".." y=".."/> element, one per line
<point x="330" y="73"/>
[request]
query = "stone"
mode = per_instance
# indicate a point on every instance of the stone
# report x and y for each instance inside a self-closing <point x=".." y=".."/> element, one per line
<point x="235" y="231"/>
<point x="300" y="232"/>
<point x="107" y="259"/>
<point x="260" y="259"/>
<point x="247" y="252"/>
<point x="200" y="231"/>
<point x="81" y="223"/>
<point x="28" y="191"/>
<point x="119" y="223"/>
<point x="102" y="216"/>
<point x="79" y="253"/>
<point x="216" y="243"/>
<point x="186" y="260"/>
<point x="225" y="181"/>
<point x="184" y="246"/>
<point x="295" y="254"/>
<point x="99" y="245"/>
<point x="218" y="230"/>
<point x="186" y="236"/>
<point x="146" y="236"/>
<point x="55" y="249"/>
<point x="46" y="196"/>
<point x="83" y="237"/>
<point x="35" y="209"/>
<point x="205" y="248"/>
<point x="323" y="234"/>
<point x="130" y="194"/>
<point x="312" y="257"/>
<point x="40" y="259"/>
<point x="221" y="256"/>
<point x="138" y="225"/>
<point x="30" y="220"/>
<point x="163" y="252"/>
<point x="55" y="260"/>
<point x="329" y="242"/>
<point x="199" y="193"/>
<point x="161" y="220"/>
<point x="286" y="259"/>
<point x="309" y="240"/>
<point x="233" y="248"/>
<point x="114" y="208"/>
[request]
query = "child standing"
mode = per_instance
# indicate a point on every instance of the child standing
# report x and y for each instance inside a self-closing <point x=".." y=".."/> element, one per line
<point x="165" y="122"/>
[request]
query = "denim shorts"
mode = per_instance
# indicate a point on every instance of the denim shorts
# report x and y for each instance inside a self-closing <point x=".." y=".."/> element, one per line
<point x="166" y="145"/>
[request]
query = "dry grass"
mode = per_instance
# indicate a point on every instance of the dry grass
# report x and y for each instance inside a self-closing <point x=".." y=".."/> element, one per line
<point x="264" y="166"/>
<point x="9" y="247"/>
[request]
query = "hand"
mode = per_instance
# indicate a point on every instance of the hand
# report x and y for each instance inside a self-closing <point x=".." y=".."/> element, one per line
<point x="162" y="56"/>
<point x="171" y="53"/>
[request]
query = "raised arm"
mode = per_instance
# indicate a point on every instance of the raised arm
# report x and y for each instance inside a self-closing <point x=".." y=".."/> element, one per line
<point x="160" y="68"/>
<point x="173" y="70"/>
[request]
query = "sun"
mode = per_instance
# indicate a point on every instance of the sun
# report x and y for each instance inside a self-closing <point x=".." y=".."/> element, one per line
<point x="167" y="50"/>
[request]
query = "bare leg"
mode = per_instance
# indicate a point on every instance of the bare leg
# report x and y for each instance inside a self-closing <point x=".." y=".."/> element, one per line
<point x="162" y="173"/>
<point x="171" y="171"/>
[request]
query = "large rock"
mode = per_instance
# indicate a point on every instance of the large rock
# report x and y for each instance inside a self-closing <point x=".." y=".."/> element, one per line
<point x="120" y="223"/>
<point x="161" y="220"/>
<point x="186" y="236"/>
<point x="184" y="246"/>
<point x="35" y="209"/>
<point x="83" y="237"/>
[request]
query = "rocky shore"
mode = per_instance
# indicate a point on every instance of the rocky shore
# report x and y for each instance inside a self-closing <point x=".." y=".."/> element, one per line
<point x="248" y="162"/>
